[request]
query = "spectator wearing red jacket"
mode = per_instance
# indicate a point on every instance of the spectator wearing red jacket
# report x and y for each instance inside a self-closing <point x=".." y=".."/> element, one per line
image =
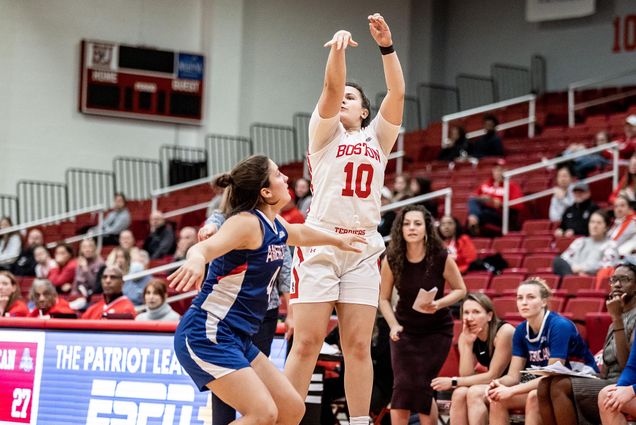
<point x="47" y="303"/>
<point x="290" y="213"/>
<point x="627" y="142"/>
<point x="485" y="206"/>
<point x="460" y="246"/>
<point x="11" y="304"/>
<point x="114" y="304"/>
<point x="627" y="184"/>
<point x="63" y="275"/>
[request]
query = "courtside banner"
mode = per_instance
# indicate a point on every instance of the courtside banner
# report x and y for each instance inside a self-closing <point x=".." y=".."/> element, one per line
<point x="57" y="377"/>
<point x="548" y="10"/>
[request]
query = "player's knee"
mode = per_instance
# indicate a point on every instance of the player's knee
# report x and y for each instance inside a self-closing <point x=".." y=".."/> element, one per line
<point x="532" y="403"/>
<point x="602" y="396"/>
<point x="294" y="408"/>
<point x="459" y="395"/>
<point x="307" y="345"/>
<point x="357" y="348"/>
<point x="475" y="395"/>
<point x="266" y="414"/>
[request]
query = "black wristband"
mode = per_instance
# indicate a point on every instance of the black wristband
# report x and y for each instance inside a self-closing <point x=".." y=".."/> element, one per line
<point x="386" y="50"/>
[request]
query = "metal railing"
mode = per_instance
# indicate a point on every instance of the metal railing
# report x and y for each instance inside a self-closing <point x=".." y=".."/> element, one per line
<point x="39" y="199"/>
<point x="99" y="209"/>
<point x="276" y="141"/>
<point x="137" y="177"/>
<point x="88" y="187"/>
<point x="447" y="193"/>
<point x="399" y="154"/>
<point x="510" y="80"/>
<point x="436" y="100"/>
<point x="507" y="175"/>
<point x="573" y="106"/>
<point x="530" y="121"/>
<point x="183" y="163"/>
<point x="10" y="207"/>
<point x="475" y="90"/>
<point x="226" y="151"/>
<point x="538" y="74"/>
<point x="157" y="193"/>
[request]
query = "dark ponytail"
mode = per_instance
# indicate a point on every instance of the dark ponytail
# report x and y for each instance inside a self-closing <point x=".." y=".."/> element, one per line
<point x="245" y="182"/>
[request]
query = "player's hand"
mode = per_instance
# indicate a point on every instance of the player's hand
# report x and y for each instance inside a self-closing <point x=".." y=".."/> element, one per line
<point x="617" y="397"/>
<point x="346" y="242"/>
<point x="430" y="308"/>
<point x="496" y="391"/>
<point x="341" y="40"/>
<point x="289" y="326"/>
<point x="395" y="332"/>
<point x="442" y="383"/>
<point x="188" y="275"/>
<point x="615" y="304"/>
<point x="206" y="231"/>
<point x="469" y="333"/>
<point x="380" y="30"/>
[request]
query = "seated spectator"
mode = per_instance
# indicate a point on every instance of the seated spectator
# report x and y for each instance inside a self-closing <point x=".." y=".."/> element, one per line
<point x="584" y="165"/>
<point x="623" y="230"/>
<point x="121" y="259"/>
<point x="43" y="262"/>
<point x="586" y="256"/>
<point x="187" y="238"/>
<point x="456" y="146"/>
<point x="485" y="340"/>
<point x="401" y="187"/>
<point x="126" y="241"/>
<point x="460" y="246"/>
<point x="627" y="142"/>
<point x="89" y="264"/>
<point x="421" y="186"/>
<point x="575" y="218"/>
<point x="155" y="295"/>
<point x="115" y="222"/>
<point x="302" y="191"/>
<point x="489" y="144"/>
<point x="485" y="207"/>
<point x="11" y="304"/>
<point x="63" y="274"/>
<point x="290" y="213"/>
<point x="627" y="184"/>
<point x="114" y="305"/>
<point x="160" y="242"/>
<point x="543" y="338"/>
<point x="10" y="245"/>
<point x="47" y="304"/>
<point x="563" y="196"/>
<point x="25" y="264"/>
<point x="134" y="288"/>
<point x="573" y="400"/>
<point x="387" y="217"/>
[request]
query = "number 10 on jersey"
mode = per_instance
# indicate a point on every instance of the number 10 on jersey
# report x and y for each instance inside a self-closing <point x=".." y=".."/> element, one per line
<point x="363" y="176"/>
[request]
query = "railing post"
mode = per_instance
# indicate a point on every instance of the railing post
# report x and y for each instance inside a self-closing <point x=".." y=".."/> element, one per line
<point x="400" y="147"/>
<point x="571" y="116"/>
<point x="506" y="207"/>
<point x="154" y="202"/>
<point x="444" y="132"/>
<point x="448" y="201"/>
<point x="100" y="234"/>
<point x="615" y="158"/>
<point x="532" y="117"/>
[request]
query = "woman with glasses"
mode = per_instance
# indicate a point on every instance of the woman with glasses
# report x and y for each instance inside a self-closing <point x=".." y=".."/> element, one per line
<point x="572" y="400"/>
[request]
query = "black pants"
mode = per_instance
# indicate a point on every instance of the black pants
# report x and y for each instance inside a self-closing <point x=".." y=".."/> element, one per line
<point x="222" y="414"/>
<point x="561" y="267"/>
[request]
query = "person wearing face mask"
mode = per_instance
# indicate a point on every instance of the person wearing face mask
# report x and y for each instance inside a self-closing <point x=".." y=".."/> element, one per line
<point x="11" y="304"/>
<point x="134" y="288"/>
<point x="25" y="264"/>
<point x="588" y="255"/>
<point x="421" y="334"/>
<point x="63" y="275"/>
<point x="543" y="338"/>
<point x="47" y="303"/>
<point x="460" y="246"/>
<point x="567" y="400"/>
<point x="485" y="340"/>
<point x="155" y="294"/>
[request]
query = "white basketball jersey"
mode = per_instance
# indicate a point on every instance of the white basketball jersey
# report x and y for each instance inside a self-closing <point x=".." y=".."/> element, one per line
<point x="347" y="175"/>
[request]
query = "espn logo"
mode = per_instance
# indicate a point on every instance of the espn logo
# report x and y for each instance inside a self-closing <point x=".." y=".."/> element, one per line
<point x="138" y="402"/>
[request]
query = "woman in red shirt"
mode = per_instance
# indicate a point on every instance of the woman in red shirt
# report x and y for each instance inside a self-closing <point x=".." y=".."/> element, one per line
<point x="63" y="275"/>
<point x="460" y="246"/>
<point x="11" y="305"/>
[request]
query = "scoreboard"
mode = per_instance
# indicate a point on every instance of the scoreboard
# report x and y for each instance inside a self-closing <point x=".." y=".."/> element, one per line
<point x="118" y="80"/>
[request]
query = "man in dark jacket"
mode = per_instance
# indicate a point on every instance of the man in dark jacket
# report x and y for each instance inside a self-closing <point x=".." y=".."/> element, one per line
<point x="161" y="241"/>
<point x="576" y="217"/>
<point x="489" y="144"/>
<point x="25" y="264"/>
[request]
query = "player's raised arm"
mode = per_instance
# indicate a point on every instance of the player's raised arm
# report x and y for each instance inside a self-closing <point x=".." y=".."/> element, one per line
<point x="392" y="106"/>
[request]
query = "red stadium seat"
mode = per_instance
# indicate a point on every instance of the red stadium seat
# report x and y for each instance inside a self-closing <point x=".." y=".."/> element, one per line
<point x="563" y="243"/>
<point x="578" y="307"/>
<point x="538" y="263"/>
<point x="513" y="260"/>
<point x="505" y="305"/>
<point x="537" y="244"/>
<point x="476" y="283"/>
<point x="572" y="284"/>
<point x="505" y="284"/>
<point x="506" y="243"/>
<point x="551" y="279"/>
<point x="536" y="227"/>
<point x="556" y="304"/>
<point x="482" y="243"/>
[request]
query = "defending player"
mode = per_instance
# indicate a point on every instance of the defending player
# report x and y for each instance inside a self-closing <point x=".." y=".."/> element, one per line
<point x="213" y="340"/>
<point x="347" y="159"/>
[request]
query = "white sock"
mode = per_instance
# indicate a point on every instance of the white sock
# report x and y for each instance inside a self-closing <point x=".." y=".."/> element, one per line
<point x="360" y="420"/>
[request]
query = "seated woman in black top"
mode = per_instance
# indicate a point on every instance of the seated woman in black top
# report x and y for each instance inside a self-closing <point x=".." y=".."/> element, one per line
<point x="487" y="340"/>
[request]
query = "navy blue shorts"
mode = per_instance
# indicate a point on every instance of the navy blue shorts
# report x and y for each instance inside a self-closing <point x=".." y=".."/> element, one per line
<point x="208" y="349"/>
